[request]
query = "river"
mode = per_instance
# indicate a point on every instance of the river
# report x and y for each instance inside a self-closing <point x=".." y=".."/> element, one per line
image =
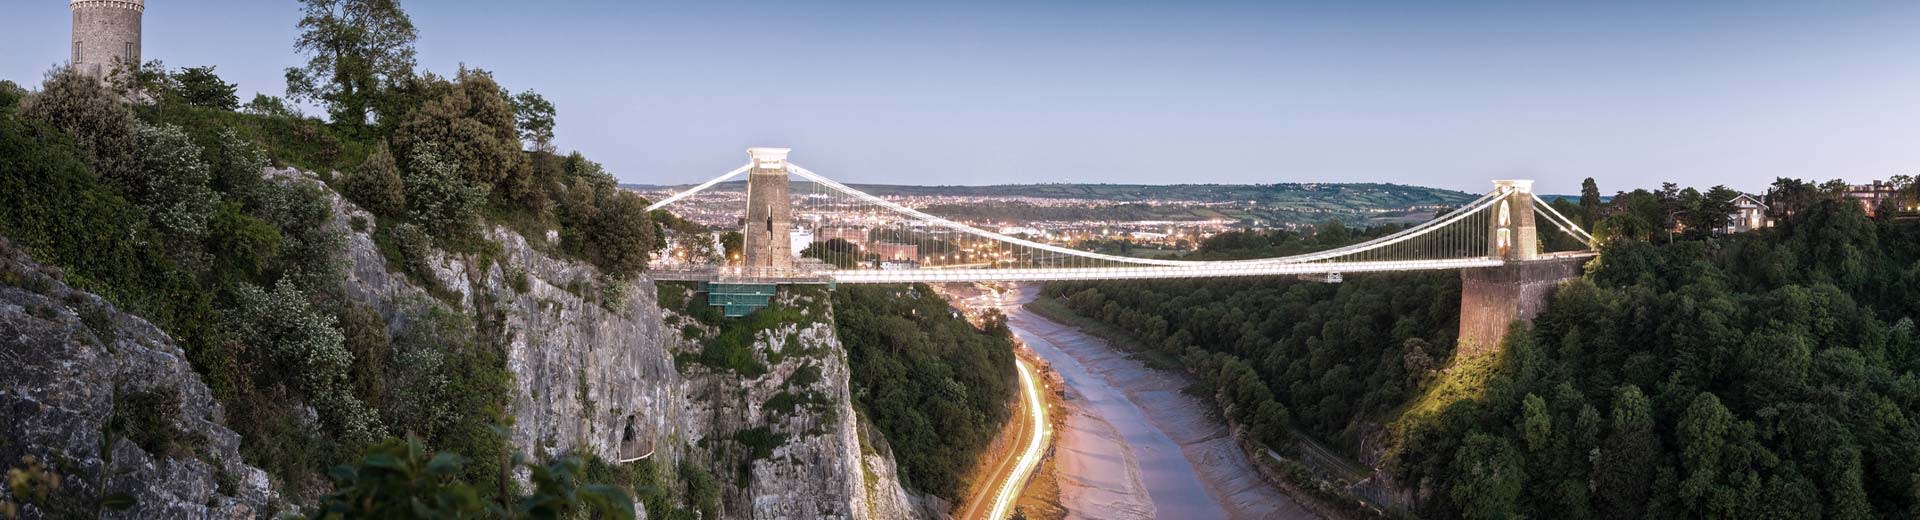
<point x="1132" y="444"/>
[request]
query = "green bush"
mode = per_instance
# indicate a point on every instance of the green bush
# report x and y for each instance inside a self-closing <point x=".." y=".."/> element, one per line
<point x="150" y="417"/>
<point x="303" y="344"/>
<point x="444" y="203"/>
<point x="405" y="480"/>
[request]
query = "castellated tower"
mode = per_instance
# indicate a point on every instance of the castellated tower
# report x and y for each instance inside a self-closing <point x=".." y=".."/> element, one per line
<point x="106" y="33"/>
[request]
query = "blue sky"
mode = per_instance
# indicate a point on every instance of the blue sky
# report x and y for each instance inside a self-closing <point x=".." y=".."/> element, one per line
<point x="1431" y="93"/>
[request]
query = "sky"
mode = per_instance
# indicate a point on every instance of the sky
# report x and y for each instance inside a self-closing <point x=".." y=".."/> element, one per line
<point x="1445" y="94"/>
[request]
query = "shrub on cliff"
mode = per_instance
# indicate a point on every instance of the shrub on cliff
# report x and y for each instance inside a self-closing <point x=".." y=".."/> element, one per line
<point x="403" y="479"/>
<point x="376" y="184"/>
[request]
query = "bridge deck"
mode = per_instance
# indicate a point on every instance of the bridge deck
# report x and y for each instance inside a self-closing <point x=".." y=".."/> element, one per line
<point x="737" y="275"/>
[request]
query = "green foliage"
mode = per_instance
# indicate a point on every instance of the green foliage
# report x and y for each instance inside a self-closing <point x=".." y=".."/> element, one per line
<point x="445" y="203"/>
<point x="200" y="87"/>
<point x="759" y="442"/>
<point x="270" y="106"/>
<point x="101" y="126"/>
<point x="840" y="253"/>
<point x="376" y="184"/>
<point x="703" y="493"/>
<point x="471" y="128"/>
<point x="287" y="138"/>
<point x="602" y="224"/>
<point x="10" y="94"/>
<point x="399" y="480"/>
<point x="30" y="483"/>
<point x="1328" y="355"/>
<point x="174" y="184"/>
<point x="1747" y="376"/>
<point x="623" y="235"/>
<point x="533" y="115"/>
<point x="449" y="387"/>
<point x="936" y="386"/>
<point x="301" y="342"/>
<point x="357" y="52"/>
<point x="150" y="417"/>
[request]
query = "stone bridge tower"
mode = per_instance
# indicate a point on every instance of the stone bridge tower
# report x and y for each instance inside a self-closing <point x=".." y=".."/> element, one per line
<point x="106" y="33"/>
<point x="1493" y="298"/>
<point x="769" y="218"/>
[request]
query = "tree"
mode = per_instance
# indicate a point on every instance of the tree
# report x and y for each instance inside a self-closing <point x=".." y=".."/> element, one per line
<point x="1702" y="434"/>
<point x="101" y="126"/>
<point x="376" y="184"/>
<point x="623" y="235"/>
<point x="145" y="83"/>
<point x="1536" y="424"/>
<point x="356" y="51"/>
<point x="472" y="128"/>
<point x="1589" y="203"/>
<point x="442" y="200"/>
<point x="1623" y="472"/>
<point x="534" y="115"/>
<point x="199" y="86"/>
<point x="174" y="185"/>
<point x="11" y="93"/>
<point x="271" y="106"/>
<point x="1491" y="477"/>
<point x="837" y="252"/>
<point x="302" y="346"/>
<point x="1788" y="196"/>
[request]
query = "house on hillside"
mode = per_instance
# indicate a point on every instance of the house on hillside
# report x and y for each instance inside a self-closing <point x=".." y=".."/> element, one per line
<point x="1872" y="197"/>
<point x="1749" y="213"/>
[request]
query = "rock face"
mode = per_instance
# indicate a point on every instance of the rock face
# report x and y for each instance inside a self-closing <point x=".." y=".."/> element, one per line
<point x="824" y="462"/>
<point x="111" y="404"/>
<point x="595" y="373"/>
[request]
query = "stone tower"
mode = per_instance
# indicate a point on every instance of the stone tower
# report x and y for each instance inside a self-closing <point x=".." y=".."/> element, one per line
<point x="769" y="218"/>
<point x="106" y="33"/>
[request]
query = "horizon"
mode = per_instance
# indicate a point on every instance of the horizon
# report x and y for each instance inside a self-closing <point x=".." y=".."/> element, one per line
<point x="1630" y="94"/>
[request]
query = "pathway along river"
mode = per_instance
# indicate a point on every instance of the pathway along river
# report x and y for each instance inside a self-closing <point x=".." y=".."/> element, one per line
<point x="1133" y="445"/>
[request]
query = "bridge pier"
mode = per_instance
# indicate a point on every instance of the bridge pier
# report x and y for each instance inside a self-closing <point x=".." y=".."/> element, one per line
<point x="1493" y="298"/>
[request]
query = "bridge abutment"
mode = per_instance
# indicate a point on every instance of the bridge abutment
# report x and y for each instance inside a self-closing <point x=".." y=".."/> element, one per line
<point x="1493" y="298"/>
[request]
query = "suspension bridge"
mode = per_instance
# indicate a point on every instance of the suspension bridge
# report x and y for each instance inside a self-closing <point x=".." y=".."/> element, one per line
<point x="876" y="240"/>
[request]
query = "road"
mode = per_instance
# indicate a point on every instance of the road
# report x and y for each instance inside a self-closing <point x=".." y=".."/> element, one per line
<point x="1033" y="434"/>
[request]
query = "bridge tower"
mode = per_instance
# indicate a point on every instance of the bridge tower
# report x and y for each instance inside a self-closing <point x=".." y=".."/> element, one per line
<point x="1513" y="236"/>
<point x="769" y="217"/>
<point x="1493" y="298"/>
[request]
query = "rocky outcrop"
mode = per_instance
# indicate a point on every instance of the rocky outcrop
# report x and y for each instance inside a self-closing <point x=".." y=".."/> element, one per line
<point x="109" y="403"/>
<point x="594" y="372"/>
<point x="824" y="462"/>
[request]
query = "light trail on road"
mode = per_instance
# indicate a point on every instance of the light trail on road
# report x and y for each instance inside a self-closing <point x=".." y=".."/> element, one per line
<point x="1036" y="445"/>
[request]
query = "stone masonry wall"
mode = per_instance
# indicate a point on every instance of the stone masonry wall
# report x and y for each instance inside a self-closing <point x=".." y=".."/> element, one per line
<point x="1492" y="298"/>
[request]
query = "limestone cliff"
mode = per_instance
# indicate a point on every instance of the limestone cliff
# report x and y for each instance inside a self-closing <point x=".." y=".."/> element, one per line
<point x="109" y="403"/>
<point x="594" y="364"/>
<point x="790" y="427"/>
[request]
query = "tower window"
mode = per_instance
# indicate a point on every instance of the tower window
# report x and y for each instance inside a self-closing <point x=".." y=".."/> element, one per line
<point x="130" y="56"/>
<point x="769" y="224"/>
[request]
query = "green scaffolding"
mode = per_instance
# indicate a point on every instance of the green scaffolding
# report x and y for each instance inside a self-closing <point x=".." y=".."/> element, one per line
<point x="740" y="299"/>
